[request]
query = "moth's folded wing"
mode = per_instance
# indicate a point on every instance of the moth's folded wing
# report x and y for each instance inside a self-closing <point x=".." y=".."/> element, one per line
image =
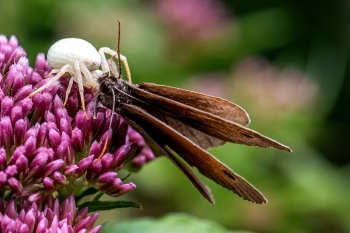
<point x="205" y="122"/>
<point x="193" y="154"/>
<point x="161" y="148"/>
<point x="214" y="105"/>
<point x="203" y="140"/>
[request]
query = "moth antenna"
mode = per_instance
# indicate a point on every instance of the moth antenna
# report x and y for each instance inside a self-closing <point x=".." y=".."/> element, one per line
<point x="113" y="109"/>
<point x="97" y="100"/>
<point x="118" y="51"/>
<point x="110" y="126"/>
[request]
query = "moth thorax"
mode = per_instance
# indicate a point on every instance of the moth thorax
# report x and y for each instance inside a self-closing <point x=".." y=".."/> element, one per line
<point x="121" y="91"/>
<point x="122" y="94"/>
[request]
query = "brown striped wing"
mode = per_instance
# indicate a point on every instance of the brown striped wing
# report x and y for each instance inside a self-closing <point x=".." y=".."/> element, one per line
<point x="205" y="123"/>
<point x="194" y="155"/>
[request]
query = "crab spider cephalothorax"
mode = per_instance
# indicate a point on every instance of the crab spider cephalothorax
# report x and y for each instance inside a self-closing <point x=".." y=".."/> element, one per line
<point x="81" y="61"/>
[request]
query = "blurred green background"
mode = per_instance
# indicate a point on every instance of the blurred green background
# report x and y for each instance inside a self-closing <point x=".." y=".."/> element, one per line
<point x="285" y="62"/>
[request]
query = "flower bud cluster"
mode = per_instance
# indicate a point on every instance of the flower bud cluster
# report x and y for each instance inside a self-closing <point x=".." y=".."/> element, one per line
<point x="46" y="147"/>
<point x="46" y="215"/>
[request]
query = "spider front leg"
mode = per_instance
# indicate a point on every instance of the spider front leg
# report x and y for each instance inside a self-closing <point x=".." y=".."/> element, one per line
<point x="104" y="64"/>
<point x="53" y="71"/>
<point x="62" y="71"/>
<point x="90" y="80"/>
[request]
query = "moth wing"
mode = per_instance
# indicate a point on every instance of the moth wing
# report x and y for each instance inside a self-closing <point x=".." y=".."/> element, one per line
<point x="195" y="156"/>
<point x="207" y="103"/>
<point x="206" y="122"/>
<point x="203" y="140"/>
<point x="158" y="146"/>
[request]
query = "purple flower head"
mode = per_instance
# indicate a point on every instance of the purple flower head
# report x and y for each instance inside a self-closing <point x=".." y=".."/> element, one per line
<point x="47" y="147"/>
<point x="144" y="155"/>
<point x="46" y="215"/>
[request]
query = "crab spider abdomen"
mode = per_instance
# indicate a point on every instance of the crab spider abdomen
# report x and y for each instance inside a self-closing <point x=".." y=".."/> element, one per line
<point x="67" y="51"/>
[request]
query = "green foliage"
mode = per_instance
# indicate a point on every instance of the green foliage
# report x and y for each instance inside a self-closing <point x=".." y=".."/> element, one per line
<point x="86" y="192"/>
<point x="173" y="223"/>
<point x="109" y="205"/>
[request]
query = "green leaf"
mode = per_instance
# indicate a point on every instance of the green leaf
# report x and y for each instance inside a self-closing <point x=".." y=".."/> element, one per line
<point x="98" y="196"/>
<point x="89" y="191"/>
<point x="109" y="205"/>
<point x="173" y="223"/>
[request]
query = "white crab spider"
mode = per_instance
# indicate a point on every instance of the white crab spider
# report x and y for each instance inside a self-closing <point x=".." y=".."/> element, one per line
<point x="81" y="61"/>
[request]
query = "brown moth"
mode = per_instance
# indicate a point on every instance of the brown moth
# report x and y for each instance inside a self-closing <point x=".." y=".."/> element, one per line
<point x="187" y="122"/>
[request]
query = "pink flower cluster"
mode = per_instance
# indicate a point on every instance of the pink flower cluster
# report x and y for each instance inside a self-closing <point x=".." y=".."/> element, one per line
<point x="46" y="216"/>
<point x="48" y="148"/>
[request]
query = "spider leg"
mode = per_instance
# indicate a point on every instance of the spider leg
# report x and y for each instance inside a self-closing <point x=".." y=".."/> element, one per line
<point x="63" y="70"/>
<point x="80" y="86"/>
<point x="113" y="67"/>
<point x="90" y="82"/>
<point x="70" y="84"/>
<point x="69" y="88"/>
<point x="53" y="71"/>
<point x="104" y="64"/>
